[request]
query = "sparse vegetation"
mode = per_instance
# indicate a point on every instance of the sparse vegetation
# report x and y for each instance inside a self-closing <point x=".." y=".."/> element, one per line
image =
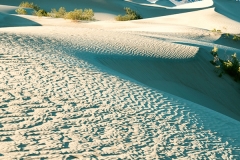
<point x="29" y="5"/>
<point x="79" y="14"/>
<point x="40" y="13"/>
<point x="130" y="15"/>
<point x="230" y="66"/>
<point x="216" y="30"/>
<point x="57" y="14"/>
<point x="236" y="37"/>
<point x="227" y="35"/>
<point x="21" y="11"/>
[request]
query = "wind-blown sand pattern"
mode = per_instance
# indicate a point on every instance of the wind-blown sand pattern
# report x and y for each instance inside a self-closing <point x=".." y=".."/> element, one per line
<point x="110" y="90"/>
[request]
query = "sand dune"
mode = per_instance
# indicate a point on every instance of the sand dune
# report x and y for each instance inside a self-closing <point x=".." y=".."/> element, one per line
<point x="229" y="9"/>
<point x="118" y="90"/>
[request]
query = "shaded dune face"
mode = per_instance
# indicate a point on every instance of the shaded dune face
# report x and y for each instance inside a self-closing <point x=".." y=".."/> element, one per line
<point x="190" y="80"/>
<point x="229" y="9"/>
<point x="15" y="21"/>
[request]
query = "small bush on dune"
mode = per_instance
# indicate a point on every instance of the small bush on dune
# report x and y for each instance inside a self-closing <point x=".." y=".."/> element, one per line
<point x="29" y="5"/>
<point x="215" y="56"/>
<point x="57" y="14"/>
<point x="130" y="15"/>
<point x="40" y="13"/>
<point x="216" y="30"/>
<point x="230" y="66"/>
<point x="236" y="38"/>
<point x="79" y="14"/>
<point x="21" y="11"/>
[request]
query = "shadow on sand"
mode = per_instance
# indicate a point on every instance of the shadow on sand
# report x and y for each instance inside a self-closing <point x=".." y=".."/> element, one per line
<point x="7" y="20"/>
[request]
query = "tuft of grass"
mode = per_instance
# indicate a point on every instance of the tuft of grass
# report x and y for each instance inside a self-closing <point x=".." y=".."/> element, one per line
<point x="79" y="14"/>
<point x="227" y="35"/>
<point x="236" y="37"/>
<point x="230" y="66"/>
<point x="130" y="15"/>
<point x="29" y="5"/>
<point x="21" y="11"/>
<point x="214" y="51"/>
<point x="58" y="14"/>
<point x="40" y="13"/>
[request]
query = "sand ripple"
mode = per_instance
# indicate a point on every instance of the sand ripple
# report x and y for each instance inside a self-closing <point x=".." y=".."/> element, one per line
<point x="53" y="105"/>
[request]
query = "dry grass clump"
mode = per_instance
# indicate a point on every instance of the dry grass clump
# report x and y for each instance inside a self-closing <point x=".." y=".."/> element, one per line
<point x="40" y="13"/>
<point x="21" y="11"/>
<point x="36" y="9"/>
<point x="29" y="5"/>
<point x="60" y="13"/>
<point x="236" y="37"/>
<point x="76" y="14"/>
<point x="231" y="66"/>
<point x="79" y="14"/>
<point x="130" y="15"/>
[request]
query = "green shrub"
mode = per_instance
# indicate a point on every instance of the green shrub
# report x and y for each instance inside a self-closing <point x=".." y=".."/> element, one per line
<point x="58" y="14"/>
<point x="79" y="14"/>
<point x="40" y="13"/>
<point x="227" y="35"/>
<point x="230" y="66"/>
<point x="214" y="51"/>
<point x="130" y="15"/>
<point x="29" y="5"/>
<point x="216" y="30"/>
<point x="21" y="11"/>
<point x="236" y="37"/>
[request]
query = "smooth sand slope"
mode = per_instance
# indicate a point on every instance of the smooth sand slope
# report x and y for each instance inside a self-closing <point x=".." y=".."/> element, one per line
<point x="108" y="90"/>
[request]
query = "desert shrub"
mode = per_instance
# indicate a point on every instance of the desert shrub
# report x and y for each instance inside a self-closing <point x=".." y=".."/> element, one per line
<point x="214" y="51"/>
<point x="230" y="66"/>
<point x="130" y="15"/>
<point x="236" y="37"/>
<point x="215" y="56"/>
<point x="216" y="30"/>
<point x="227" y="35"/>
<point x="29" y="5"/>
<point x="58" y="14"/>
<point x="21" y="11"/>
<point x="79" y="14"/>
<point x="40" y="13"/>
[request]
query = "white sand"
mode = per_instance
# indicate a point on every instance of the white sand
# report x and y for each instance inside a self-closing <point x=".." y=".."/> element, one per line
<point x="107" y="90"/>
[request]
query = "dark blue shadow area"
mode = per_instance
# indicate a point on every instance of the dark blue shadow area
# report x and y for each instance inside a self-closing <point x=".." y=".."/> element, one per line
<point x="15" y="21"/>
<point x="228" y="8"/>
<point x="166" y="3"/>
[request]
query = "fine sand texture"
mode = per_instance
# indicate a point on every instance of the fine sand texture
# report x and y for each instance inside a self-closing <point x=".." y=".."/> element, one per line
<point x="104" y="89"/>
